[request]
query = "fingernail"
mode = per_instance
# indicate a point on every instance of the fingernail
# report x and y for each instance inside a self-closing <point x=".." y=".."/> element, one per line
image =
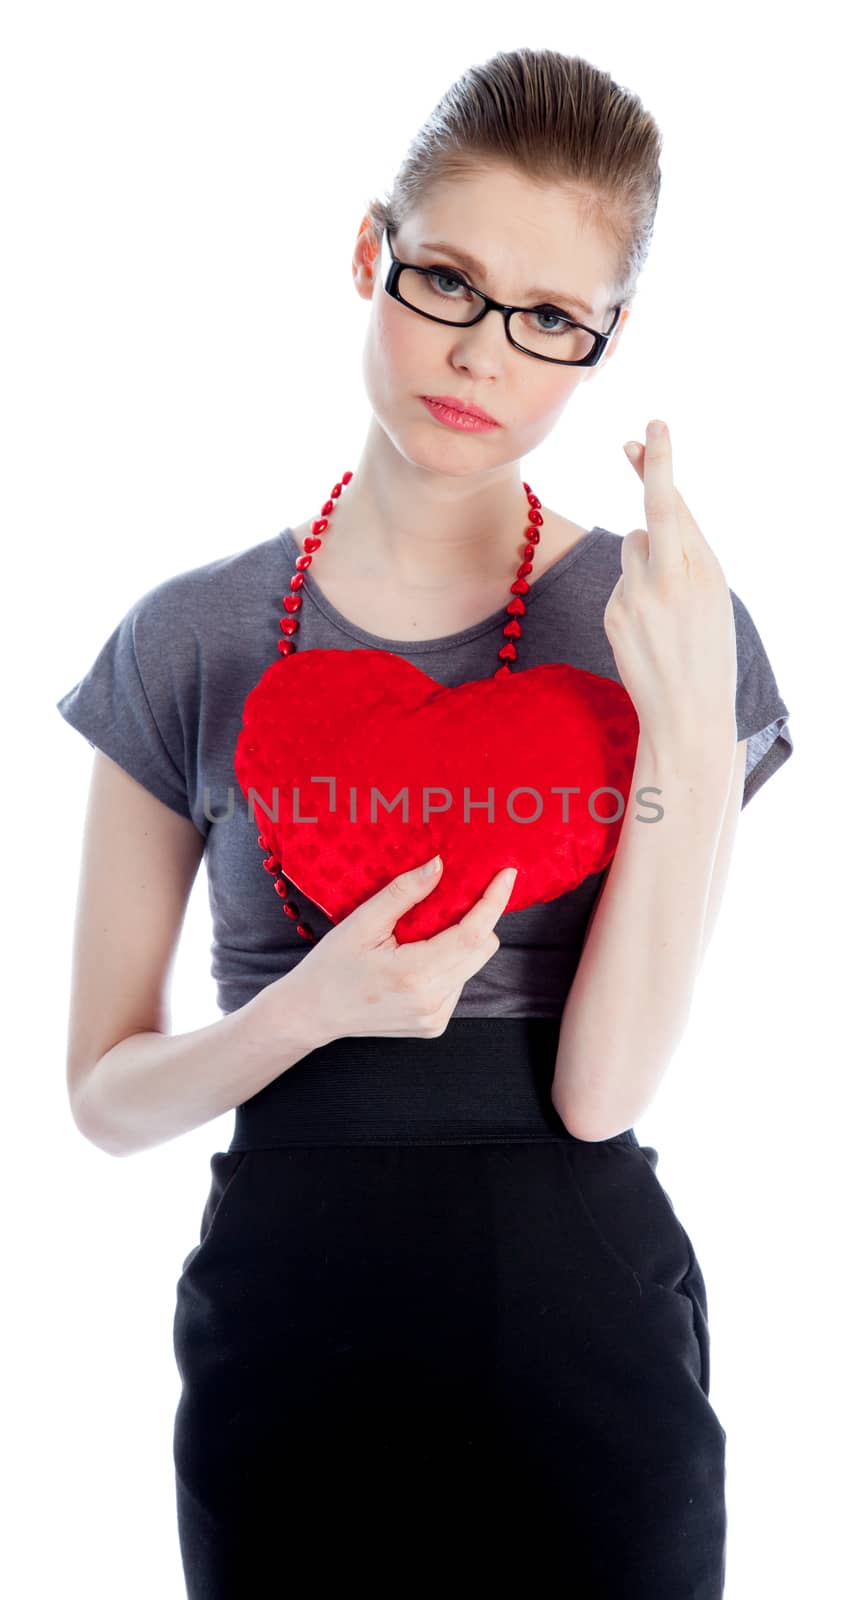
<point x="631" y="451"/>
<point x="657" y="430"/>
<point x="430" y="867"/>
<point x="510" y="876"/>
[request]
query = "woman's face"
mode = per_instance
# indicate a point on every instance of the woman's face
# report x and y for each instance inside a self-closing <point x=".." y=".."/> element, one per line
<point x="524" y="235"/>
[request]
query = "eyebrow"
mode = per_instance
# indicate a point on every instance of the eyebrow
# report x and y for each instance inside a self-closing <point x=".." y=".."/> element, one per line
<point x="478" y="270"/>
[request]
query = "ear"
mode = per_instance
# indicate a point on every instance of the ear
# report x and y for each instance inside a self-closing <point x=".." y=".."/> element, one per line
<point x="364" y="258"/>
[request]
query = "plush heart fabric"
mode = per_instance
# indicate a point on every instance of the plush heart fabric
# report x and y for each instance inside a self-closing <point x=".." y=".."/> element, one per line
<point x="365" y="721"/>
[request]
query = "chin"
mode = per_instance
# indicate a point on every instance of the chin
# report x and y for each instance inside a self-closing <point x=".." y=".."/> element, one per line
<point x="445" y="456"/>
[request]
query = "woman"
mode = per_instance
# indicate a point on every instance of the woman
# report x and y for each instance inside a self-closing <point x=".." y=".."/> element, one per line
<point x="441" y="1305"/>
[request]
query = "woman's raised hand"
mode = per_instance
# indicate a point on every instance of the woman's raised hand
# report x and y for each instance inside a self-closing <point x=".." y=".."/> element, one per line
<point x="669" y="618"/>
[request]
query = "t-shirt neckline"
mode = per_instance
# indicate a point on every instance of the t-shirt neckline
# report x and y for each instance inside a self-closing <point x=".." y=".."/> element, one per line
<point x="446" y="641"/>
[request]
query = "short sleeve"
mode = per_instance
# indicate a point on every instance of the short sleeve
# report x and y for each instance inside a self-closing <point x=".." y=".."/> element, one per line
<point x="130" y="703"/>
<point x="762" y="715"/>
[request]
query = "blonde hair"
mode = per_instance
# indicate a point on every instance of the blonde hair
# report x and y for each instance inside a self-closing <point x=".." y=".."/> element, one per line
<point x="556" y="120"/>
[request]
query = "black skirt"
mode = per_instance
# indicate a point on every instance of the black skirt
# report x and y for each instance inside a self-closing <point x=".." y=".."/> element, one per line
<point x="429" y="1334"/>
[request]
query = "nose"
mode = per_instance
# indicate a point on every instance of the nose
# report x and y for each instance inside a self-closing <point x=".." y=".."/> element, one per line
<point x="483" y="345"/>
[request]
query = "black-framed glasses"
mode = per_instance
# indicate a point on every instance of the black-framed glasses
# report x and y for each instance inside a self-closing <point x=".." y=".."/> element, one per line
<point x="540" y="331"/>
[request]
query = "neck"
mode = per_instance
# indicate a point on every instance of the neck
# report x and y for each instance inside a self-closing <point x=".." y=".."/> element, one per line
<point x="421" y="528"/>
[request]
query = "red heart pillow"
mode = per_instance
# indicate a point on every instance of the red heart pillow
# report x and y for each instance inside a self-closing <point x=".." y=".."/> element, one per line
<point x="325" y="730"/>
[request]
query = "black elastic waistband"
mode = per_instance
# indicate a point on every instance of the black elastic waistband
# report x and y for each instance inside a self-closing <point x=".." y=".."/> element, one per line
<point x="483" y="1079"/>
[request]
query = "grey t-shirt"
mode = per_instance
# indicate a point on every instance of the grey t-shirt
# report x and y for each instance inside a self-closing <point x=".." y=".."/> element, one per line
<point x="164" y="700"/>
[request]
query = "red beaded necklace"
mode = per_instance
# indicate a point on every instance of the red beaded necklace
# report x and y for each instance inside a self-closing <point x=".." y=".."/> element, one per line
<point x="289" y="626"/>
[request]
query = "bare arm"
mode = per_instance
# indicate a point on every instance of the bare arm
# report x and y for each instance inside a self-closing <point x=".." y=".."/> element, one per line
<point x="132" y="1084"/>
<point x="725" y="848"/>
<point x="629" y="1002"/>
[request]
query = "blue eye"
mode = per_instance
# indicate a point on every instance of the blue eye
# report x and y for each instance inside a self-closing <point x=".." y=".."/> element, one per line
<point x="452" y="277"/>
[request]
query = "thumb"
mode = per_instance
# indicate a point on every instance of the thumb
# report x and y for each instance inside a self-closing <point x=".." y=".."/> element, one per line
<point x="634" y="452"/>
<point x="387" y="906"/>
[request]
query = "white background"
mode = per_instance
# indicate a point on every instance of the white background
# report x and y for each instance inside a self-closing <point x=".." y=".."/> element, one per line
<point x="176" y="181"/>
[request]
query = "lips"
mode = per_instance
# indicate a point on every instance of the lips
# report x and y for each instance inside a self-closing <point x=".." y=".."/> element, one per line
<point x="459" y="405"/>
